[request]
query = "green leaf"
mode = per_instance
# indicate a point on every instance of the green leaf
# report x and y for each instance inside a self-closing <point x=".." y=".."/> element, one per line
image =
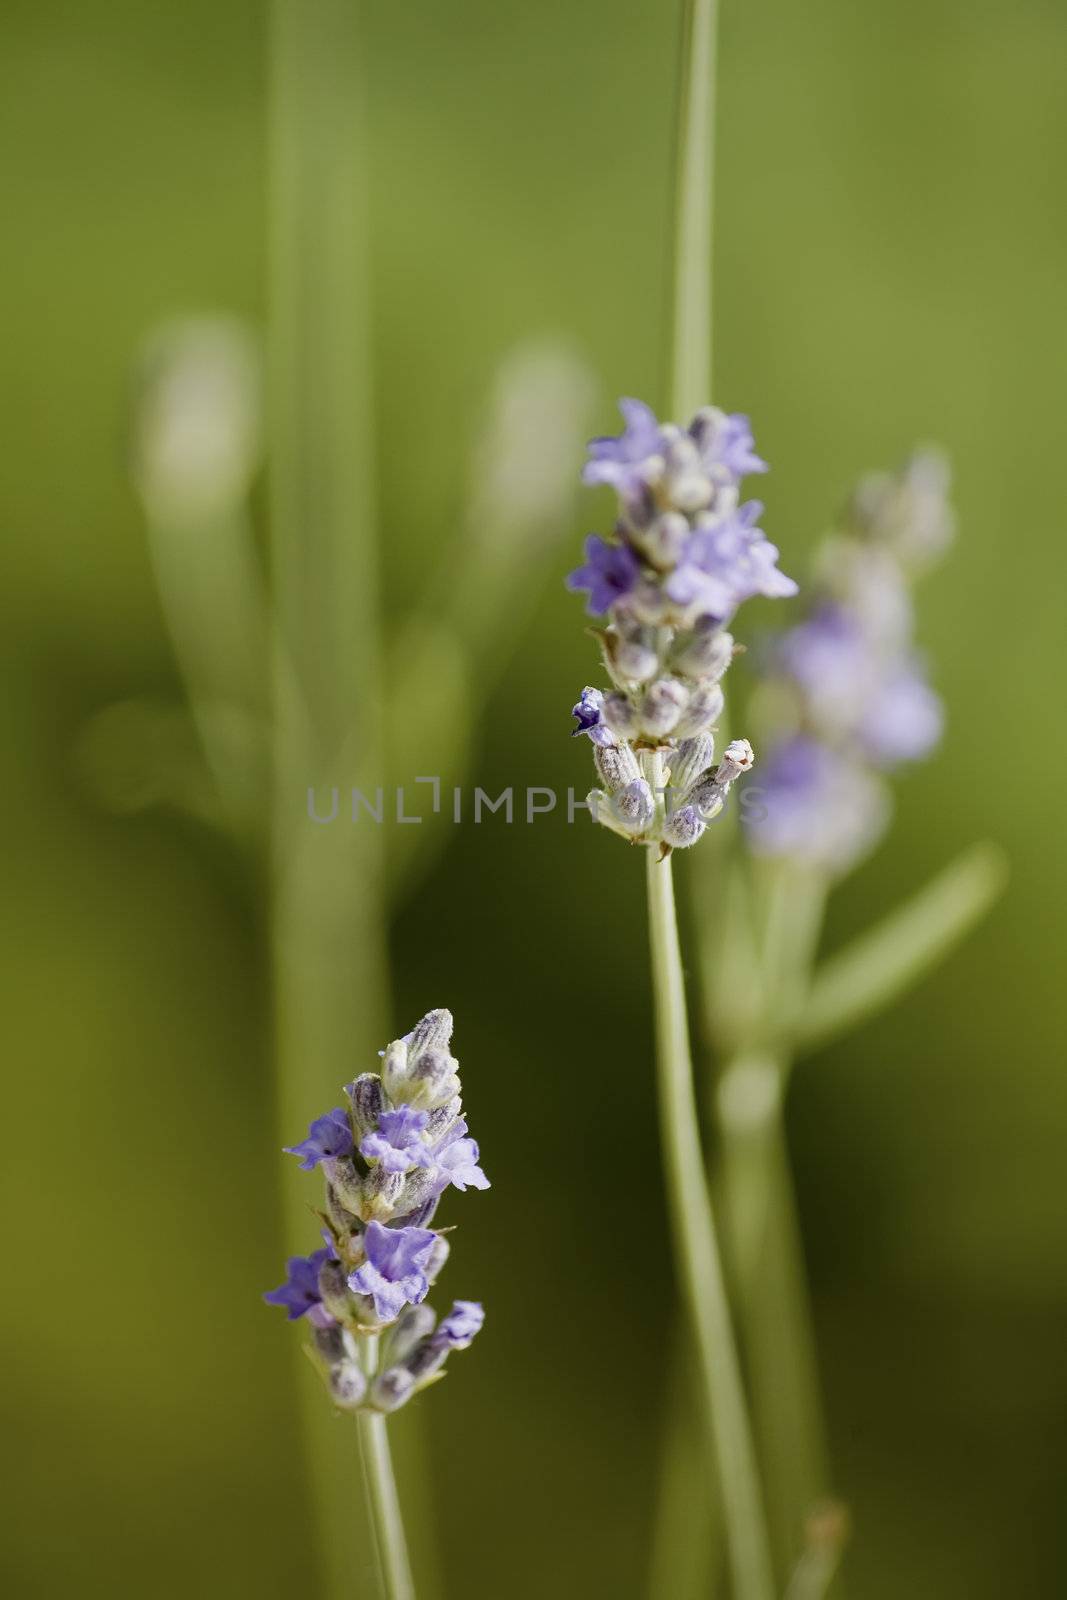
<point x="880" y="965"/>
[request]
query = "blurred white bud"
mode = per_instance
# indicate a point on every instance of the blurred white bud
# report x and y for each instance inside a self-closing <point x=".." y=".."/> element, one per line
<point x="526" y="462"/>
<point x="198" y="418"/>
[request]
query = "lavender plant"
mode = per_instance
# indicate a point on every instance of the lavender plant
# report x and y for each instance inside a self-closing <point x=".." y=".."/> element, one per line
<point x="844" y="701"/>
<point x="683" y="556"/>
<point x="387" y="1156"/>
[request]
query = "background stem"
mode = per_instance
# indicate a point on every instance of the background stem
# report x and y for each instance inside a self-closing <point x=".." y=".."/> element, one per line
<point x="328" y="917"/>
<point x="697" y="1252"/>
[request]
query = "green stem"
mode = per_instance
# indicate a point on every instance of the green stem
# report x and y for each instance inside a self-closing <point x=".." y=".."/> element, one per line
<point x="691" y="325"/>
<point x="382" y="1498"/>
<point x="759" y="1203"/>
<point x="697" y="1252"/>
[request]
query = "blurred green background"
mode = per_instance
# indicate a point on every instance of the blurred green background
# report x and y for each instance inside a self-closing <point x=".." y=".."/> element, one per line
<point x="891" y="253"/>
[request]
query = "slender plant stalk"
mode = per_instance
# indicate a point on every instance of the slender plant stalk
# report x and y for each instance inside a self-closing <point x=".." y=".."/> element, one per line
<point x="382" y="1497"/>
<point x="697" y="1248"/>
<point x="691" y="320"/>
<point x="328" y="915"/>
<point x="759" y="1206"/>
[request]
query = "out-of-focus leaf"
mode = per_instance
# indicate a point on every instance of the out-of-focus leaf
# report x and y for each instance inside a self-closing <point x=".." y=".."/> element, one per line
<point x="140" y="753"/>
<point x="883" y="963"/>
<point x="427" y="733"/>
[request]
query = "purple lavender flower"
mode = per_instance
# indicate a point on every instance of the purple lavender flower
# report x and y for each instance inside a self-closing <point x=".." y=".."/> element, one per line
<point x="725" y="443"/>
<point x="397" y="1144"/>
<point x="619" y="460"/>
<point x="299" y="1294"/>
<point x="394" y="1273"/>
<point x="329" y="1138"/>
<point x="903" y="720"/>
<point x="457" y="1330"/>
<point x="610" y="573"/>
<point x="455" y="1159"/>
<point x="727" y="560"/>
<point x="590" y="714"/>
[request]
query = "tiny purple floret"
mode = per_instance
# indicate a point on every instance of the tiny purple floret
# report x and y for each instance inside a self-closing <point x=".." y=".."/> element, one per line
<point x="329" y="1138"/>
<point x="299" y="1294"/>
<point x="610" y="574"/>
<point x="394" y="1273"/>
<point x="396" y="1144"/>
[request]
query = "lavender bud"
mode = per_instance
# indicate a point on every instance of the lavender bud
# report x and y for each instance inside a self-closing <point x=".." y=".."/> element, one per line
<point x="702" y="712"/>
<point x="347" y="1385"/>
<point x="690" y="761"/>
<point x="647" y="603"/>
<point x="432" y="1032"/>
<point x="738" y="757"/>
<point x="330" y="1344"/>
<point x="634" y="807"/>
<point x="687" y="485"/>
<point x="431" y="1079"/>
<point x="333" y="1289"/>
<point x="367" y="1098"/>
<point x="392" y="1388"/>
<point x="416" y="1322"/>
<point x="380" y="1191"/>
<point x="616" y="766"/>
<point x="442" y="1117"/>
<point x="683" y="828"/>
<point x="707" y="652"/>
<point x="707" y="799"/>
<point x="618" y="714"/>
<point x="664" y="541"/>
<point x="635" y="657"/>
<point x="394" y="1068"/>
<point x="345" y="1187"/>
<point x="663" y="704"/>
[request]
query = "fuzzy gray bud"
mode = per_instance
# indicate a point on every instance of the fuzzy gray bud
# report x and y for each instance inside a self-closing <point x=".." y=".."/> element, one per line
<point x="703" y="711"/>
<point x="392" y="1388"/>
<point x="634" y="807"/>
<point x="706" y="653"/>
<point x="664" y="541"/>
<point x="683" y="828"/>
<point x="380" y="1191"/>
<point x="662" y="706"/>
<point x="367" y="1099"/>
<point x="431" y="1079"/>
<point x="431" y="1032"/>
<point x="333" y="1289"/>
<point x="415" y="1323"/>
<point x="633" y="654"/>
<point x="738" y="757"/>
<point x="616" y="766"/>
<point x="348" y="1386"/>
<point x="618" y="714"/>
<point x="690" y="761"/>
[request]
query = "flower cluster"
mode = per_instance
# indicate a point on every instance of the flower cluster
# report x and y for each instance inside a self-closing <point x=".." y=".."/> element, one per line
<point x="387" y="1156"/>
<point x="684" y="555"/>
<point x="846" y="687"/>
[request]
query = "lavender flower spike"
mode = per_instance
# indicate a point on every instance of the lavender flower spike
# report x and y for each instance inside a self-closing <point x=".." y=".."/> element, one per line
<point x="381" y="1253"/>
<point x="855" y="699"/>
<point x="682" y="558"/>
